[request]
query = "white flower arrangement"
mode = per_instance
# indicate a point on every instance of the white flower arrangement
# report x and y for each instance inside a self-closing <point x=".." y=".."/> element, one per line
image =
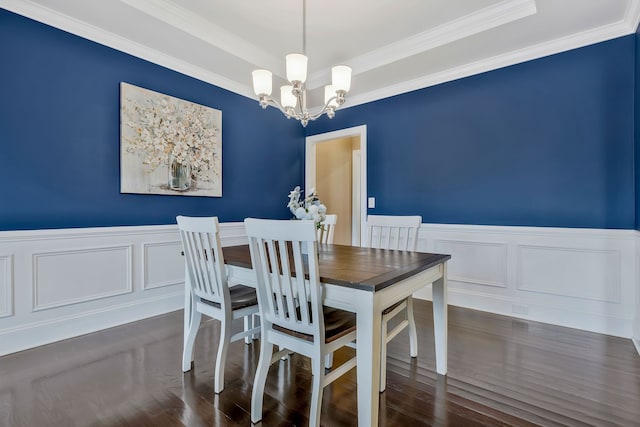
<point x="307" y="208"/>
<point x="182" y="130"/>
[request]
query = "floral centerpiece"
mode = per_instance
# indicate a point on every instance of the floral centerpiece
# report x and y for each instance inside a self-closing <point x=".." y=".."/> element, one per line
<point x="309" y="207"/>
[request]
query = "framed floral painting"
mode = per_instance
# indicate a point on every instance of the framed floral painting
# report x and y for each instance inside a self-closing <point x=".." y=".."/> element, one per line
<point x="168" y="145"/>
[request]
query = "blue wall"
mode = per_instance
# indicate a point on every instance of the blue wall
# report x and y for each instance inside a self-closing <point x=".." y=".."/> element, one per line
<point x="548" y="142"/>
<point x="60" y="137"/>
<point x="545" y="143"/>
<point x="637" y="127"/>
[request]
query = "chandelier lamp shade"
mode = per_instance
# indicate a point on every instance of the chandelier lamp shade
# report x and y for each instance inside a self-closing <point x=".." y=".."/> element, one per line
<point x="293" y="96"/>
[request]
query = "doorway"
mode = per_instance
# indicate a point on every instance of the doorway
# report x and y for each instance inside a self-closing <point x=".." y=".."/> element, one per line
<point x="336" y="166"/>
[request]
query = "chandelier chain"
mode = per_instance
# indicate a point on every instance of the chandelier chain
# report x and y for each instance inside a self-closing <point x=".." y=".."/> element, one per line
<point x="304" y="27"/>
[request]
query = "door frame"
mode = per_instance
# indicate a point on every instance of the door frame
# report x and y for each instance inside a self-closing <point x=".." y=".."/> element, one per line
<point x="310" y="164"/>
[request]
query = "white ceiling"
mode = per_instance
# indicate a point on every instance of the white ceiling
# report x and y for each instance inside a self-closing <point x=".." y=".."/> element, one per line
<point x="393" y="46"/>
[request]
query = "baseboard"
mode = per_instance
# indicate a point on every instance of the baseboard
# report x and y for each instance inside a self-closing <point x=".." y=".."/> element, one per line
<point x="592" y="322"/>
<point x="56" y="329"/>
<point x="636" y="342"/>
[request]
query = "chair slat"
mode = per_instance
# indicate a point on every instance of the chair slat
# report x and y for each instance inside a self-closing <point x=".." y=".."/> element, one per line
<point x="393" y="232"/>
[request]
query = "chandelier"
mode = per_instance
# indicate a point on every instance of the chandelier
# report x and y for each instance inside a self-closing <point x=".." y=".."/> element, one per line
<point x="293" y="97"/>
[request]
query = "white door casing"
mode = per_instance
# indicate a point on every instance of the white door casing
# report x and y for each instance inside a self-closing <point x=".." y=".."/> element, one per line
<point x="310" y="163"/>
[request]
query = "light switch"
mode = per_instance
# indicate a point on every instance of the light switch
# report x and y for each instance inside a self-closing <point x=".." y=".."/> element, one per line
<point x="372" y="202"/>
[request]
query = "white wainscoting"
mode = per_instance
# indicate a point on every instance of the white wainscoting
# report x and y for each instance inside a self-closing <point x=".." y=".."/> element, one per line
<point x="6" y="285"/>
<point x="636" y="329"/>
<point x="58" y="284"/>
<point x="580" y="278"/>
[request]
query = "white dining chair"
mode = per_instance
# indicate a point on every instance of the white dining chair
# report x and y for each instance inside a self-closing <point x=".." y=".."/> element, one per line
<point x="291" y="311"/>
<point x="210" y="291"/>
<point x="327" y="229"/>
<point x="398" y="233"/>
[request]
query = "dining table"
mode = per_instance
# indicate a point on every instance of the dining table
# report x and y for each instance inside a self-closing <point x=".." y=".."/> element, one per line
<point x="365" y="281"/>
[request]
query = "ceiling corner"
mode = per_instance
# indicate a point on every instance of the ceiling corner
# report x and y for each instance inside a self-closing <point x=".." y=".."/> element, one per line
<point x="632" y="15"/>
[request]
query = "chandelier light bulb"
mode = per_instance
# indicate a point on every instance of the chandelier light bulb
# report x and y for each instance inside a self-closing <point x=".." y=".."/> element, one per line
<point x="341" y="78"/>
<point x="296" y="67"/>
<point x="262" y="82"/>
<point x="287" y="99"/>
<point x="329" y="93"/>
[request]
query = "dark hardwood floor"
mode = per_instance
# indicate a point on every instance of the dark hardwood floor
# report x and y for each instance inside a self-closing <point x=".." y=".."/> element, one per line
<point x="502" y="371"/>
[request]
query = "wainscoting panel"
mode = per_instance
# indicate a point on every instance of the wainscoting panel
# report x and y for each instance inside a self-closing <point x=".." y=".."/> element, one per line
<point x="6" y="285"/>
<point x="160" y="265"/>
<point x="546" y="269"/>
<point x="479" y="263"/>
<point x="580" y="278"/>
<point x="102" y="272"/>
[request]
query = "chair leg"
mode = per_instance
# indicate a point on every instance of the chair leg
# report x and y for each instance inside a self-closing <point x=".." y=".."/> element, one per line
<point x="413" y="335"/>
<point x="286" y="356"/>
<point x="190" y="338"/>
<point x="328" y="360"/>
<point x="223" y="346"/>
<point x="257" y="396"/>
<point x="255" y="325"/>
<point x="383" y="355"/>
<point x="316" y="392"/>
<point x="248" y="324"/>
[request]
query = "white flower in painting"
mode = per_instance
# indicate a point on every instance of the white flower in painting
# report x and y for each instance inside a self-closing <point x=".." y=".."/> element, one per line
<point x="165" y="128"/>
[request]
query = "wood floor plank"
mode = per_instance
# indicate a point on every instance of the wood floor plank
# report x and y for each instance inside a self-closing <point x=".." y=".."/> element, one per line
<point x="502" y="372"/>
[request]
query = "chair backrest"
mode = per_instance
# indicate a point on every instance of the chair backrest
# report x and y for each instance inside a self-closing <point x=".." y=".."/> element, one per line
<point x="327" y="229"/>
<point x="204" y="258"/>
<point x="393" y="232"/>
<point x="286" y="298"/>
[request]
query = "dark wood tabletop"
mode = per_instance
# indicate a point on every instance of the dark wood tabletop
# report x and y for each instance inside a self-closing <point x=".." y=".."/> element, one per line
<point x="355" y="267"/>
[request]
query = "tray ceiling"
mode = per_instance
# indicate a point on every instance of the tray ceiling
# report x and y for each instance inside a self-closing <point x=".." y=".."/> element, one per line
<point x="393" y="46"/>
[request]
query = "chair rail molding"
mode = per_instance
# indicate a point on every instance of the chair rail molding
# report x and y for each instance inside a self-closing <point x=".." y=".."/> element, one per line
<point x="58" y="284"/>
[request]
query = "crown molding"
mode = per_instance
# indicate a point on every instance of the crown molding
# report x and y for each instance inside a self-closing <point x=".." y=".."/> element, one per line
<point x="71" y="25"/>
<point x="191" y="23"/>
<point x="632" y="15"/>
<point x="541" y="50"/>
<point x="484" y="19"/>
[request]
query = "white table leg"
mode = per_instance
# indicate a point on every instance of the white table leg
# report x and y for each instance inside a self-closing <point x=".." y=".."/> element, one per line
<point x="440" y="321"/>
<point x="368" y="359"/>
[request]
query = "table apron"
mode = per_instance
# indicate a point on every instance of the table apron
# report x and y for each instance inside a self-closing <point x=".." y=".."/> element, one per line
<point x="347" y="298"/>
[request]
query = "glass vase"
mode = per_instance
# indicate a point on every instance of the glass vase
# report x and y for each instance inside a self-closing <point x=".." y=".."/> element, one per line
<point x="179" y="173"/>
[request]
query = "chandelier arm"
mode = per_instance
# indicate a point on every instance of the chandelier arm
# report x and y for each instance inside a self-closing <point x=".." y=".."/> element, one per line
<point x="327" y="107"/>
<point x="290" y="113"/>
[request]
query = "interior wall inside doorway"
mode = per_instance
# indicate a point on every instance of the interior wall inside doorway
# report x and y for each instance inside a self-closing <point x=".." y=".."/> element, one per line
<point x="334" y="184"/>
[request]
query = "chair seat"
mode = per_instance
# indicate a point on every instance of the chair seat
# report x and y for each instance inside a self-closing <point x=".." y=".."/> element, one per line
<point x="241" y="297"/>
<point x="337" y="323"/>
<point x="393" y="307"/>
